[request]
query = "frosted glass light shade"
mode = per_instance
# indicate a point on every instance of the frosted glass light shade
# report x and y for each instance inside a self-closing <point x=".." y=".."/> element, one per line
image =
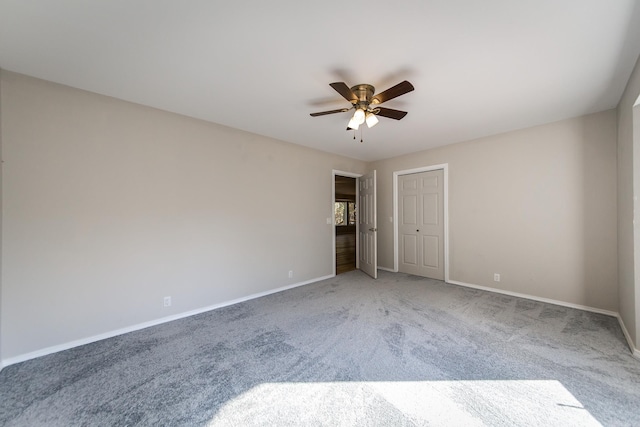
<point x="358" y="116"/>
<point x="372" y="120"/>
<point x="353" y="124"/>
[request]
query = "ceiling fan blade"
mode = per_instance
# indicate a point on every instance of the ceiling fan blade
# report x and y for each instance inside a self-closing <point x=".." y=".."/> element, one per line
<point x="345" y="91"/>
<point x="324" y="113"/>
<point x="390" y="113"/>
<point x="392" y="92"/>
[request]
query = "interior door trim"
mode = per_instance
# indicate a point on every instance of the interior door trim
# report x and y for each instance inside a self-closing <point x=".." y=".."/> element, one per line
<point x="396" y="174"/>
<point x="335" y="172"/>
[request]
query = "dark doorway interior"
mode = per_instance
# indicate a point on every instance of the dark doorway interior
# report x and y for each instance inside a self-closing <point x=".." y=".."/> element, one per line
<point x="345" y="220"/>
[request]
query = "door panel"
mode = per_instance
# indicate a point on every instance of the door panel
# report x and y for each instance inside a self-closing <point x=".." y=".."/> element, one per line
<point x="410" y="249"/>
<point x="409" y="204"/>
<point x="430" y="182"/>
<point x="431" y="258"/>
<point x="368" y="227"/>
<point x="410" y="184"/>
<point x="430" y="209"/>
<point x="420" y="198"/>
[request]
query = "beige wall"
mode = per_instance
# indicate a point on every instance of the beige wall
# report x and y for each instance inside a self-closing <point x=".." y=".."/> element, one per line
<point x="628" y="186"/>
<point x="536" y="205"/>
<point x="110" y="206"/>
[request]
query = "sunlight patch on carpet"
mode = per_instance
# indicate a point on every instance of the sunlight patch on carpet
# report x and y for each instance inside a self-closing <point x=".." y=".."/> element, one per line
<point x="469" y="403"/>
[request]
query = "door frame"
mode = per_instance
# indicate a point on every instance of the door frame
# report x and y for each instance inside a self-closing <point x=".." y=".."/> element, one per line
<point x="335" y="173"/>
<point x="396" y="174"/>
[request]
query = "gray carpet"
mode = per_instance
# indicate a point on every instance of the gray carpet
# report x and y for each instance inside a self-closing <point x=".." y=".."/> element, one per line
<point x="399" y="351"/>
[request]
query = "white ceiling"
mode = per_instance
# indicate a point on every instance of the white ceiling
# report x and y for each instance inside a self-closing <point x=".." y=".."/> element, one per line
<point x="479" y="67"/>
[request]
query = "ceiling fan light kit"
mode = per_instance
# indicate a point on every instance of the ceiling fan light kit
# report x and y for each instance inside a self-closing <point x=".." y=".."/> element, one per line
<point x="372" y="120"/>
<point x="358" y="116"/>
<point x="366" y="103"/>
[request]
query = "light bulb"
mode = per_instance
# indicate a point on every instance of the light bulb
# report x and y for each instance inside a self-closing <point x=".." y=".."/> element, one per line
<point x="372" y="120"/>
<point x="358" y="116"/>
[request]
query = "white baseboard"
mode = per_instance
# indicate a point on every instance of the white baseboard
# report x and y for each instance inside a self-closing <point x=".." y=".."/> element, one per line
<point x="76" y="343"/>
<point x="66" y="346"/>
<point x="535" y="298"/>
<point x="634" y="351"/>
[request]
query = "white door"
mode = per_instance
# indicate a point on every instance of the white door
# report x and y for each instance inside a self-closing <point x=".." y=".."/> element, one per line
<point x="368" y="227"/>
<point x="421" y="224"/>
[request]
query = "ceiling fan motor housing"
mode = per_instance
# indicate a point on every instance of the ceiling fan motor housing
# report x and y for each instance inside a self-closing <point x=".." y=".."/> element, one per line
<point x="364" y="92"/>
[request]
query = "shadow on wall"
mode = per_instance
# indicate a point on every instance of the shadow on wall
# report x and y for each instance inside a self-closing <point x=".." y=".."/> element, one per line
<point x="599" y="200"/>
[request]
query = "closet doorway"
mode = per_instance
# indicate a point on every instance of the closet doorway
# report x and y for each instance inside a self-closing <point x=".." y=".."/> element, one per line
<point x="421" y="224"/>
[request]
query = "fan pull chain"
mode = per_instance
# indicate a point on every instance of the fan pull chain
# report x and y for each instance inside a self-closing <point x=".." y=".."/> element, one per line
<point x="360" y="136"/>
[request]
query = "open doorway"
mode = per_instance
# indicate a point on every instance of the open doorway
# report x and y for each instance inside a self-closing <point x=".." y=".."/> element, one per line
<point x="345" y="223"/>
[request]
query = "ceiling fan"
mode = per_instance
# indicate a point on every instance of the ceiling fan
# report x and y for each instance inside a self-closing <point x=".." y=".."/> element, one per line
<point x="366" y="103"/>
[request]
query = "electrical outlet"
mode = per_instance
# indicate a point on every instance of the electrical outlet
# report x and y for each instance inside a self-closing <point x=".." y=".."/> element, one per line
<point x="496" y="277"/>
<point x="290" y="274"/>
<point x="167" y="301"/>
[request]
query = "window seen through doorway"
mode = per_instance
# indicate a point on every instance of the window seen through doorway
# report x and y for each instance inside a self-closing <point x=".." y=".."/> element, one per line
<point x="345" y="213"/>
